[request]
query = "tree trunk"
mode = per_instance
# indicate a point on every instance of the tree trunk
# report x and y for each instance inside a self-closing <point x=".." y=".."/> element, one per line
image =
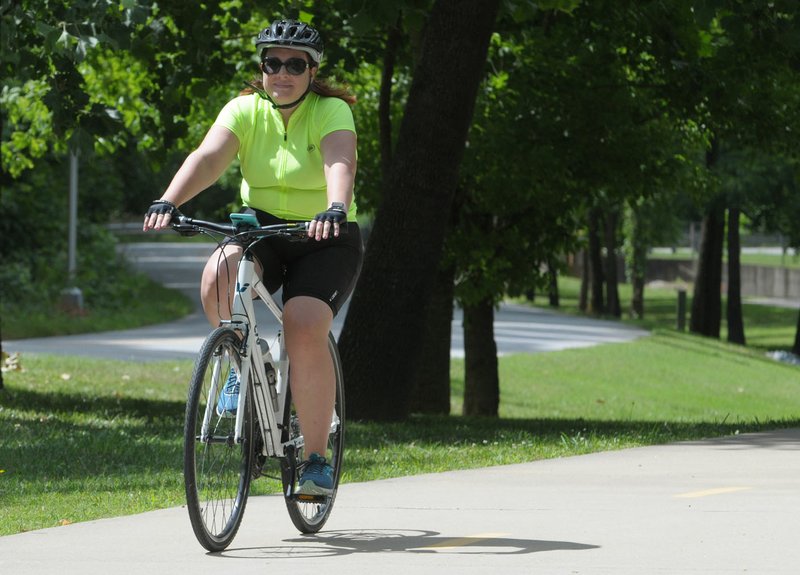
<point x="597" y="302"/>
<point x="637" y="296"/>
<point x="707" y="301"/>
<point x="385" y="100"/>
<point x="796" y="346"/>
<point x="378" y="340"/>
<point x="481" y="380"/>
<point x="612" y="284"/>
<point x="734" y="304"/>
<point x="637" y="268"/>
<point x="552" y="281"/>
<point x="583" y="297"/>
<point x="431" y="374"/>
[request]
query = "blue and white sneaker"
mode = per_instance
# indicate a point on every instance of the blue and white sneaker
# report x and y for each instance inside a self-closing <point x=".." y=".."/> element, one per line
<point x="228" y="401"/>
<point x="316" y="477"/>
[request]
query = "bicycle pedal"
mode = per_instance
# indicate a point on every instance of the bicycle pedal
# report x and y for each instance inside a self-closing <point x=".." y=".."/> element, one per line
<point x="308" y="498"/>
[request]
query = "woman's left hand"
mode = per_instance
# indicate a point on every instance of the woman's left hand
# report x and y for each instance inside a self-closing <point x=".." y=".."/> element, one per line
<point x="326" y="224"/>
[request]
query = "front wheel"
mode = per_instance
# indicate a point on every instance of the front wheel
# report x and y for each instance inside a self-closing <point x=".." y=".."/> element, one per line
<point x="310" y="516"/>
<point x="217" y="469"/>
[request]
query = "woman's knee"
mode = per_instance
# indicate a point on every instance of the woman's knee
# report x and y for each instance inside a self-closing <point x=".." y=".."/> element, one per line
<point x="216" y="283"/>
<point x="307" y="318"/>
<point x="220" y="269"/>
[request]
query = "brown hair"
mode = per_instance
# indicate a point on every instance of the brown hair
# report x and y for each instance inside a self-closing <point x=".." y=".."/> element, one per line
<point x="321" y="87"/>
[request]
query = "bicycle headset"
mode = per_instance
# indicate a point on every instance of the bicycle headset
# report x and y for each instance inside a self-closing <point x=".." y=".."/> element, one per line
<point x="290" y="34"/>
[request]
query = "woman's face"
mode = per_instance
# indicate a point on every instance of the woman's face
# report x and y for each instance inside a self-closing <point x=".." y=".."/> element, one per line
<point x="282" y="86"/>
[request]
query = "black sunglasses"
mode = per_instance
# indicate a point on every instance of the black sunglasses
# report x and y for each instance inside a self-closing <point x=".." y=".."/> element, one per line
<point x="294" y="66"/>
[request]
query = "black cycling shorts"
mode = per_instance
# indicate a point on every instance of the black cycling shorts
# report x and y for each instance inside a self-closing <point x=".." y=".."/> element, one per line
<point x="326" y="269"/>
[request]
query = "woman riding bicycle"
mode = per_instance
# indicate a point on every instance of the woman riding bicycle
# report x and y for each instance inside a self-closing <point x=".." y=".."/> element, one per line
<point x="296" y="143"/>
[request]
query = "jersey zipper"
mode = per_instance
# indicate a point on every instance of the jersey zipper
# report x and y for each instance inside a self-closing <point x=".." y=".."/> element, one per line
<point x="284" y="197"/>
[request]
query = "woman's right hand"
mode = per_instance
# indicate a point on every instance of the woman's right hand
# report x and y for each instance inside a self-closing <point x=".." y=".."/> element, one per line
<point x="159" y="215"/>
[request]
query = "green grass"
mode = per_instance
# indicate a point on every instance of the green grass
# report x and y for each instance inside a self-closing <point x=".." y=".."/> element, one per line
<point x="44" y="320"/>
<point x="666" y="376"/>
<point x="753" y="259"/>
<point x="83" y="439"/>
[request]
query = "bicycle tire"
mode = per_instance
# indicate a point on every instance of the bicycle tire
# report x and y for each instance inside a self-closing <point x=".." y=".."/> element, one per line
<point x="217" y="472"/>
<point x="309" y="517"/>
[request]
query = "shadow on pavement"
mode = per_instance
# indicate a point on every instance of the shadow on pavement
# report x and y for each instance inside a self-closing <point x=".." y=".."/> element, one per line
<point x="784" y="439"/>
<point x="349" y="542"/>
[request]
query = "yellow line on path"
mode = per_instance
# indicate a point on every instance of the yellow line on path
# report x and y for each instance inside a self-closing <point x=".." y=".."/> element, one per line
<point x="464" y="541"/>
<point x="709" y="492"/>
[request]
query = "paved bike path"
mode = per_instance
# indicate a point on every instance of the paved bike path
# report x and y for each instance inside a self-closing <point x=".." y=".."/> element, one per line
<point x="720" y="506"/>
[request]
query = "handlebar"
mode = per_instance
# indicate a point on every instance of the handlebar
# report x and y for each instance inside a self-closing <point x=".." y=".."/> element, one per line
<point x="241" y="231"/>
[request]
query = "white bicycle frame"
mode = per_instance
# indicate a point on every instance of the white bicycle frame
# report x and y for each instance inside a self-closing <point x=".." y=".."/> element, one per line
<point x="269" y="399"/>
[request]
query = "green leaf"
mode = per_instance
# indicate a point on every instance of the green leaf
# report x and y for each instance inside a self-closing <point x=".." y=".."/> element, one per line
<point x="362" y="23"/>
<point x="63" y="40"/>
<point x="44" y="29"/>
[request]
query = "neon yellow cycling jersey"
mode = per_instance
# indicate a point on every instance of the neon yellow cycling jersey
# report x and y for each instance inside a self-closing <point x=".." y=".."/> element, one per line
<point x="282" y="168"/>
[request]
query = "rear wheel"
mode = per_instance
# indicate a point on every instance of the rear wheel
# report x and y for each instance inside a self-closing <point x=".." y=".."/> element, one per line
<point x="310" y="515"/>
<point x="217" y="469"/>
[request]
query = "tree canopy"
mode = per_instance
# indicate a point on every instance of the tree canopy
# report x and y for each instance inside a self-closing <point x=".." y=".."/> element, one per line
<point x="496" y="139"/>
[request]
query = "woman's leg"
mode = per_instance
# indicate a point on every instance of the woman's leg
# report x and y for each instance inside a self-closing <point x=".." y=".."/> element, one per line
<point x="218" y="283"/>
<point x="307" y="322"/>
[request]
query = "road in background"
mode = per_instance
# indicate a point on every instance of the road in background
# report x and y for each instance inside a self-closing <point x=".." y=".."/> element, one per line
<point x="518" y="328"/>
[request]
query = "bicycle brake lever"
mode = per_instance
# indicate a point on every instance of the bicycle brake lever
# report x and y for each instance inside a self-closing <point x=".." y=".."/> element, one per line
<point x="299" y="233"/>
<point x="180" y="224"/>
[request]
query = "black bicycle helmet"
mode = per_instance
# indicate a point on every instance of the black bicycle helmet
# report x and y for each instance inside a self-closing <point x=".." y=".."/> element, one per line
<point x="291" y="34"/>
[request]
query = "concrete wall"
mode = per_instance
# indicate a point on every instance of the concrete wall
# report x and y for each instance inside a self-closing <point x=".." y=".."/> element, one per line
<point x="769" y="281"/>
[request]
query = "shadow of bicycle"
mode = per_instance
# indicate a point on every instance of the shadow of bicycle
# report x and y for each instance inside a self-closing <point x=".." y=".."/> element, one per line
<point x="340" y="543"/>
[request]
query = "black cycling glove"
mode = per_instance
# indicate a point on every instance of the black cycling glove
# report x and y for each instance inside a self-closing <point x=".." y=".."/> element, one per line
<point x="335" y="214"/>
<point x="160" y="207"/>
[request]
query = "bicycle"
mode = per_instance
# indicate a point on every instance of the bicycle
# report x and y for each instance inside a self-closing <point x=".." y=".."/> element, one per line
<point x="223" y="454"/>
